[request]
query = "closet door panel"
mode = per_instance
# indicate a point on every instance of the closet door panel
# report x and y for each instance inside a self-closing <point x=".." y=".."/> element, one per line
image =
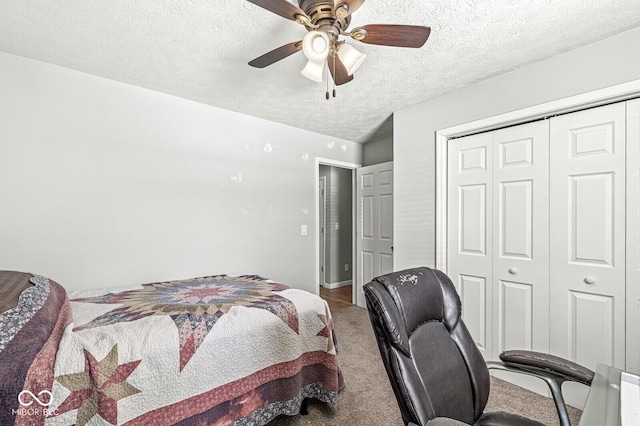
<point x="592" y="328"/>
<point x="472" y="291"/>
<point x="591" y="219"/>
<point x="520" y="243"/>
<point x="516" y="306"/>
<point x="470" y="232"/>
<point x="633" y="236"/>
<point x="521" y="238"/>
<point x="587" y="246"/>
<point x="473" y="211"/>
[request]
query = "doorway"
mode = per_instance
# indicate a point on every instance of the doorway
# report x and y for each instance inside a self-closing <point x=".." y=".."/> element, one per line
<point x="335" y="231"/>
<point x="322" y="212"/>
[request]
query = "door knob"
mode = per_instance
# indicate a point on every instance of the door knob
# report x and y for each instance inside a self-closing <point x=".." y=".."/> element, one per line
<point x="513" y="271"/>
<point x="589" y="280"/>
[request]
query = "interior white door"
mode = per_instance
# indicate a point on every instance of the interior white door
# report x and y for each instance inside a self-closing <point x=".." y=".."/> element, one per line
<point x="521" y="243"/>
<point x="374" y="238"/>
<point x="587" y="223"/>
<point x="633" y="236"/>
<point x="470" y="229"/>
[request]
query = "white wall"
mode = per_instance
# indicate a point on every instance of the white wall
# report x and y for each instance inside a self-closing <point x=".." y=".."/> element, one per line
<point x="104" y="184"/>
<point x="606" y="63"/>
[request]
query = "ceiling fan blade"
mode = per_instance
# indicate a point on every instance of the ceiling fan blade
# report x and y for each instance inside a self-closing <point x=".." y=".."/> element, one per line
<point x="276" y="54"/>
<point x="338" y="71"/>
<point x="394" y="35"/>
<point x="352" y="6"/>
<point x="280" y="7"/>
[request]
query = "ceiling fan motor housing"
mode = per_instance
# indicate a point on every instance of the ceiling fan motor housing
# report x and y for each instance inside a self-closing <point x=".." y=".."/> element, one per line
<point x="322" y="13"/>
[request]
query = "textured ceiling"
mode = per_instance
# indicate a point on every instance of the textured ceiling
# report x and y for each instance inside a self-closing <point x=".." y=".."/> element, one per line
<point x="199" y="49"/>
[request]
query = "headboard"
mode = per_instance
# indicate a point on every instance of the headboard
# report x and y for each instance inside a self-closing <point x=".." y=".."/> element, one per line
<point x="12" y="284"/>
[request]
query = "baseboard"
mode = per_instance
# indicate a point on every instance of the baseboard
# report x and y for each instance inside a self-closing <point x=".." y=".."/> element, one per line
<point x="336" y="285"/>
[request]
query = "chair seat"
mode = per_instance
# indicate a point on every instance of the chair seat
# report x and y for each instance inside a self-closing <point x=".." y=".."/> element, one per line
<point x="500" y="418"/>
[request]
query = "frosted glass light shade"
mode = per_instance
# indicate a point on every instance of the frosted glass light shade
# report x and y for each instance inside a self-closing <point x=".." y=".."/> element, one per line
<point x="319" y="45"/>
<point x="315" y="46"/>
<point x="351" y="57"/>
<point x="313" y="70"/>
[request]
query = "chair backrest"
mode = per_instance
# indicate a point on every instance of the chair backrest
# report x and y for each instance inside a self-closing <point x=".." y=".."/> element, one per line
<point x="433" y="364"/>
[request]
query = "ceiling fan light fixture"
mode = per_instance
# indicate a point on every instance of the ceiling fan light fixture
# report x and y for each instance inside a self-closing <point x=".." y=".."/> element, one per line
<point x="319" y="45"/>
<point x="315" y="46"/>
<point x="351" y="57"/>
<point x="313" y="70"/>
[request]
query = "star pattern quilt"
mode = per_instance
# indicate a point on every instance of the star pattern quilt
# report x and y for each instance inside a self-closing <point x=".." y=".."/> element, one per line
<point x="213" y="350"/>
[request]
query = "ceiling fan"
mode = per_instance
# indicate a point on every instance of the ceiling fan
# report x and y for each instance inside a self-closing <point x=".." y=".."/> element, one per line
<point x="326" y="21"/>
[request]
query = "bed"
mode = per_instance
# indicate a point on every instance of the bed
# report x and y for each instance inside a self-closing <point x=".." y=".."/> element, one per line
<point x="213" y="350"/>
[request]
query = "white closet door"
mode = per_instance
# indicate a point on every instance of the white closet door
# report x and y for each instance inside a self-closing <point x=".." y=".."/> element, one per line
<point x="633" y="236"/>
<point x="587" y="223"/>
<point x="470" y="250"/>
<point x="498" y="236"/>
<point x="521" y="244"/>
<point x="521" y="238"/>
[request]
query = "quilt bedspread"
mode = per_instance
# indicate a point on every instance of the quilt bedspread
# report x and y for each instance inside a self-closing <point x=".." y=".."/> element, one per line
<point x="30" y="334"/>
<point x="215" y="350"/>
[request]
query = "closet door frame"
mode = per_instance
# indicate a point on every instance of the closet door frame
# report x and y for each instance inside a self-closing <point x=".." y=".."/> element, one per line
<point x="599" y="97"/>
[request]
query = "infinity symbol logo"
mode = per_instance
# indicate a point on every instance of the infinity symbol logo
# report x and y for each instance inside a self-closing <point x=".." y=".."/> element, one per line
<point x="26" y="404"/>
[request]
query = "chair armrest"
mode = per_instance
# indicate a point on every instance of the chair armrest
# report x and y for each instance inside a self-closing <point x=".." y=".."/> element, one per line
<point x="552" y="369"/>
<point x="541" y="362"/>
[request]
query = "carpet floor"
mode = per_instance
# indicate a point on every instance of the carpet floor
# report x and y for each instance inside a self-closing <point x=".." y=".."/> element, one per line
<point x="368" y="399"/>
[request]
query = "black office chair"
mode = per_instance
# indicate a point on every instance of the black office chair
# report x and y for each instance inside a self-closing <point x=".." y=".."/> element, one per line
<point x="437" y="373"/>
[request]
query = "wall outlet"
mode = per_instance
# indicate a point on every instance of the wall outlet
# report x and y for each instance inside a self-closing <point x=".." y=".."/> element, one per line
<point x="303" y="230"/>
<point x="346" y="267"/>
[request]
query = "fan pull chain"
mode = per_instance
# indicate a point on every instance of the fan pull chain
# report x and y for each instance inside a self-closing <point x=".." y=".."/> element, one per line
<point x="334" y="73"/>
<point x="326" y="73"/>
